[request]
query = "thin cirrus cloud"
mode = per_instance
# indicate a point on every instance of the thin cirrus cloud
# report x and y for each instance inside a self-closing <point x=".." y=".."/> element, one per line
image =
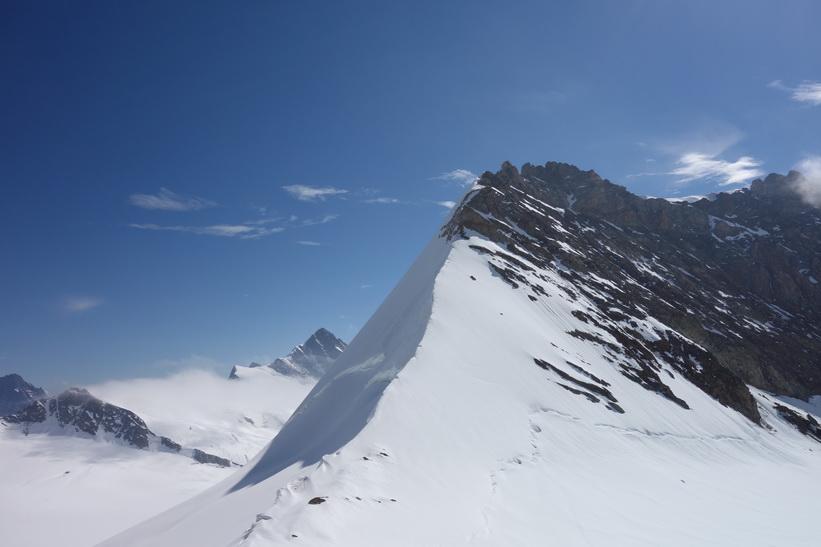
<point x="81" y="304"/>
<point x="254" y="229"/>
<point x="462" y="177"/>
<point x="313" y="222"/>
<point x="312" y="193"/>
<point x="808" y="92"/>
<point x="309" y="243"/>
<point x="382" y="200"/>
<point x="242" y="231"/>
<point x="695" y="166"/>
<point x="166" y="200"/>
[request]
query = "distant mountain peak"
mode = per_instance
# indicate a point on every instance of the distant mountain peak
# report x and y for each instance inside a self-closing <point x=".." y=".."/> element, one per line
<point x="76" y="411"/>
<point x="311" y="359"/>
<point x="16" y="394"/>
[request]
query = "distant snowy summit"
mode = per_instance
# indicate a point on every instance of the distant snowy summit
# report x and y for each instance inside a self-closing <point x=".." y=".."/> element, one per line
<point x="309" y="360"/>
<point x="16" y="394"/>
<point x="75" y="412"/>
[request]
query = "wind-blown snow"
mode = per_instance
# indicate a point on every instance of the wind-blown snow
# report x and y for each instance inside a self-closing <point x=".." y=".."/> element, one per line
<point x="437" y="426"/>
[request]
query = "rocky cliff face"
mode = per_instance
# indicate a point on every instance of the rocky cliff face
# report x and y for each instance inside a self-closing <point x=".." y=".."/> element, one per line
<point x="735" y="280"/>
<point x="16" y="394"/>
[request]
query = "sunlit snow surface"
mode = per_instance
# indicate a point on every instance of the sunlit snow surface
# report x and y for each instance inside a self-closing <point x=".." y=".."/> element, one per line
<point x="74" y="492"/>
<point x="436" y="427"/>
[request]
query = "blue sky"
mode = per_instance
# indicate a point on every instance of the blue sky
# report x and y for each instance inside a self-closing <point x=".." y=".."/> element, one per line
<point x="207" y="183"/>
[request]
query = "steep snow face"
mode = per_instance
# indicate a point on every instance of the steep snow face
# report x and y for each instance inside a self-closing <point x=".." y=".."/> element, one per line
<point x="467" y="412"/>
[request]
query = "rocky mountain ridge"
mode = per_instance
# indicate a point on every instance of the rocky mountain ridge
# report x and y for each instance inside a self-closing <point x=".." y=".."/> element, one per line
<point x="16" y="394"/>
<point x="735" y="279"/>
<point x="309" y="360"/>
<point x="77" y="412"/>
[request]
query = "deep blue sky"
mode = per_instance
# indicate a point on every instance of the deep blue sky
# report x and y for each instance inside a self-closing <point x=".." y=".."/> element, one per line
<point x="206" y="183"/>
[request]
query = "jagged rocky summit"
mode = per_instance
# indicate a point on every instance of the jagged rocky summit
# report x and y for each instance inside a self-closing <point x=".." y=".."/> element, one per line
<point x="308" y="360"/>
<point x="737" y="276"/>
<point x="16" y="394"/>
<point x="564" y="360"/>
<point x="76" y="412"/>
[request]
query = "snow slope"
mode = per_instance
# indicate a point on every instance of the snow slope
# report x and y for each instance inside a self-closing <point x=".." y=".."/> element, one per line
<point x="75" y="492"/>
<point x="457" y="417"/>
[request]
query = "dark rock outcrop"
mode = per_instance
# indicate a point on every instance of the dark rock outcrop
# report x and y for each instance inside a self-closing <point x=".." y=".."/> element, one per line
<point x="76" y="411"/>
<point x="80" y="411"/>
<point x="16" y="394"/>
<point x="735" y="280"/>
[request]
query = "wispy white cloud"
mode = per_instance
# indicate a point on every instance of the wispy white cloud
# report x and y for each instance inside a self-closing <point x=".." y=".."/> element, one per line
<point x="167" y="200"/>
<point x="252" y="229"/>
<point x="323" y="220"/>
<point x="696" y="166"/>
<point x="312" y="193"/>
<point x="807" y="92"/>
<point x="382" y="200"/>
<point x="446" y="204"/>
<point x="463" y="177"/>
<point x="242" y="231"/>
<point x="80" y="304"/>
<point x="701" y="155"/>
<point x="809" y="186"/>
<point x="309" y="243"/>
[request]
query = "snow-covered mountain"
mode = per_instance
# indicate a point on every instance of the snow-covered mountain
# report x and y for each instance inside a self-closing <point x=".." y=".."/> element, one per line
<point x="16" y="394"/>
<point x="76" y="412"/>
<point x="565" y="364"/>
<point x="309" y="360"/>
<point x="87" y="488"/>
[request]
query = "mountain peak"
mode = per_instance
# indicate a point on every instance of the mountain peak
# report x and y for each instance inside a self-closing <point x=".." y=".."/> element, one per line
<point x="16" y="394"/>
<point x="564" y="348"/>
<point x="311" y="359"/>
<point x="754" y="257"/>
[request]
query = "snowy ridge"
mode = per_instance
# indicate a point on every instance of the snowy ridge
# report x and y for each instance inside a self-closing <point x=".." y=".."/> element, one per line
<point x="501" y="397"/>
